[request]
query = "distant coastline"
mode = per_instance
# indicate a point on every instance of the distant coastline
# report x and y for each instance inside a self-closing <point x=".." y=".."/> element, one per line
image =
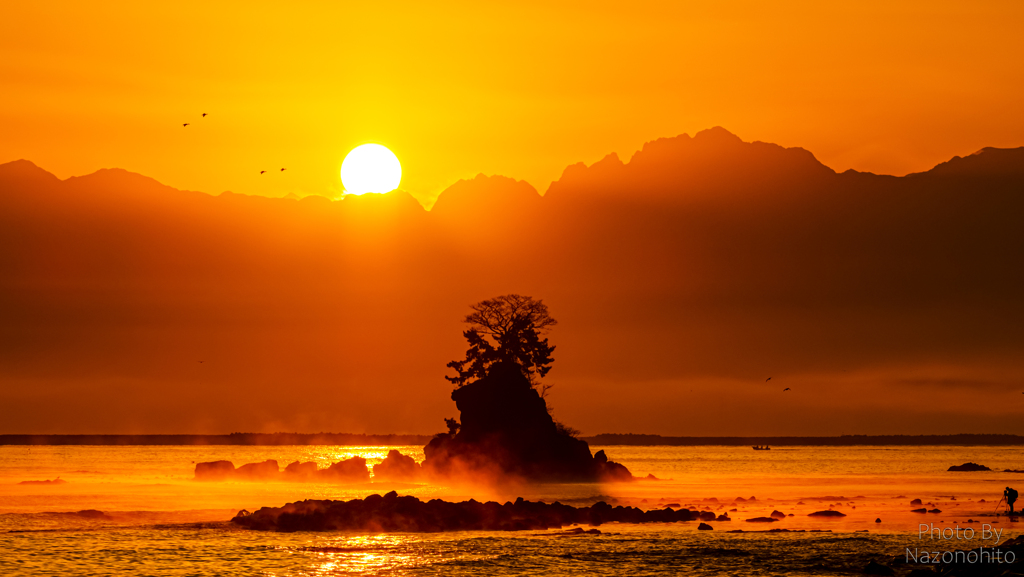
<point x="354" y="440"/>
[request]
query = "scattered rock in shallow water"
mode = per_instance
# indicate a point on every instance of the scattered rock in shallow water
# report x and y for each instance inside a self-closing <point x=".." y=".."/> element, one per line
<point x="878" y="520"/>
<point x="93" y="514"/>
<point x="57" y="481"/>
<point x="762" y="520"/>
<point x="408" y="514"/>
<point x="934" y="511"/>
<point x="214" y="470"/>
<point x="723" y="517"/>
<point x="828" y="513"/>
<point x="915" y="502"/>
<point x="777" y="514"/>
<point x="301" y="470"/>
<point x="919" y="511"/>
<point x="969" y="467"/>
<point x="705" y="527"/>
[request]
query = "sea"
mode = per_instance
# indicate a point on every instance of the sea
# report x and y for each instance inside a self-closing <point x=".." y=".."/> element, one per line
<point x="136" y="510"/>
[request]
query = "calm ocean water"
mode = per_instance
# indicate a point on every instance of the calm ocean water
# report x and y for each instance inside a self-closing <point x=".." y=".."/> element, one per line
<point x="160" y="522"/>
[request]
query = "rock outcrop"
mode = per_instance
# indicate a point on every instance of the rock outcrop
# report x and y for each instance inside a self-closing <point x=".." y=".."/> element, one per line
<point x="391" y="513"/>
<point x="397" y="467"/>
<point x="506" y="433"/>
<point x="352" y="470"/>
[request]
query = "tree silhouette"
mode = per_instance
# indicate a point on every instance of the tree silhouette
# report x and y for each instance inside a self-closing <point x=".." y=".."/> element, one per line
<point x="506" y="330"/>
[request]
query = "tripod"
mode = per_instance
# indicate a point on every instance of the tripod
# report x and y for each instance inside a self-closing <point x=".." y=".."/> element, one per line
<point x="1001" y="502"/>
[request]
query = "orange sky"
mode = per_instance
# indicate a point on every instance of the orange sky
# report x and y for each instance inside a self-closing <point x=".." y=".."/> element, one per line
<point x="521" y="90"/>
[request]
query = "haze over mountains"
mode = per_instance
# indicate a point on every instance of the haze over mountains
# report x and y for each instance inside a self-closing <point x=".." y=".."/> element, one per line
<point x="681" y="280"/>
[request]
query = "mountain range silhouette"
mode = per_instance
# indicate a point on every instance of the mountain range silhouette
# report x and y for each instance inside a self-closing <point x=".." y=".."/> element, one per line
<point x="700" y="258"/>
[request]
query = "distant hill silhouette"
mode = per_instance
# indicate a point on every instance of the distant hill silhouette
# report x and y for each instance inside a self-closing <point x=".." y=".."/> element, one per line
<point x="702" y="263"/>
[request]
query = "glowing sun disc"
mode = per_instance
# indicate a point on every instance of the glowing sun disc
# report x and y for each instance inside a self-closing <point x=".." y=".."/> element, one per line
<point x="370" y="168"/>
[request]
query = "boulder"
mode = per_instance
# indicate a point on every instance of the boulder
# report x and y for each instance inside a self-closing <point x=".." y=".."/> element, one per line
<point x="301" y="470"/>
<point x="705" y="527"/>
<point x="264" y="471"/>
<point x="352" y="470"/>
<point x="778" y="515"/>
<point x="915" y="502"/>
<point x="396" y="467"/>
<point x="762" y="520"/>
<point x="214" y="471"/>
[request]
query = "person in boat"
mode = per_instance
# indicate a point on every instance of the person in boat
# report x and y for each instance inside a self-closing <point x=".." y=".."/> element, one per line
<point x="1011" y="497"/>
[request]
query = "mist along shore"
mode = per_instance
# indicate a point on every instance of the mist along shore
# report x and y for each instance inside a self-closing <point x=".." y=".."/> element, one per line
<point x="363" y="440"/>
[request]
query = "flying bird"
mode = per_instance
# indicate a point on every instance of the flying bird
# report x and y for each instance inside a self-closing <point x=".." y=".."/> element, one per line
<point x="282" y="170"/>
<point x="768" y="379"/>
<point x="786" y="389"/>
<point x="186" y="124"/>
<point x="204" y="115"/>
<point x="262" y="171"/>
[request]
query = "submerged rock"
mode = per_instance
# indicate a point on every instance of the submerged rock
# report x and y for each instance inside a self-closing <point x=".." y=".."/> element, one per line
<point x="705" y="527"/>
<point x="392" y="513"/>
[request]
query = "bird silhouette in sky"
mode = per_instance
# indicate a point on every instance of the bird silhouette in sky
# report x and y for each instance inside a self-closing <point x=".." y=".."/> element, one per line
<point x="282" y="170"/>
<point x="201" y="362"/>
<point x="768" y="379"/>
<point x="204" y="115"/>
<point x="262" y="171"/>
<point x="786" y="389"/>
<point x="186" y="124"/>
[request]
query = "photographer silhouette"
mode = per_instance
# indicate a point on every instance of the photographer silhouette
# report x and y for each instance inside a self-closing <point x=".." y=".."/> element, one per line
<point x="1011" y="497"/>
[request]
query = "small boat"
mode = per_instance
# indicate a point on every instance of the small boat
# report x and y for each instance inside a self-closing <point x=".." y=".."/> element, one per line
<point x="760" y="448"/>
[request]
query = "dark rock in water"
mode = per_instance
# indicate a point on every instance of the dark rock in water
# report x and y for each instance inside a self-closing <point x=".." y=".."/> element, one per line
<point x="93" y="514"/>
<point x="214" y="471"/>
<point x="350" y="470"/>
<point x="392" y="513"/>
<point x="723" y="517"/>
<point x="705" y="515"/>
<point x="266" y="470"/>
<point x="778" y="514"/>
<point x="303" y="470"/>
<point x="673" y="505"/>
<point x="919" y="511"/>
<point x="762" y="520"/>
<point x="705" y="527"/>
<point x="829" y="513"/>
<point x="915" y="502"/>
<point x="397" y="467"/>
<point x="507" y="434"/>
<point x="874" y="568"/>
<point x="651" y="477"/>
<point x="878" y="520"/>
<point x="57" y="481"/>
<point x="934" y="511"/>
<point x="969" y="467"/>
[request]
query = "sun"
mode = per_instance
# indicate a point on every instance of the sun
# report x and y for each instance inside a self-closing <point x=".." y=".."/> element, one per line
<point x="370" y="168"/>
